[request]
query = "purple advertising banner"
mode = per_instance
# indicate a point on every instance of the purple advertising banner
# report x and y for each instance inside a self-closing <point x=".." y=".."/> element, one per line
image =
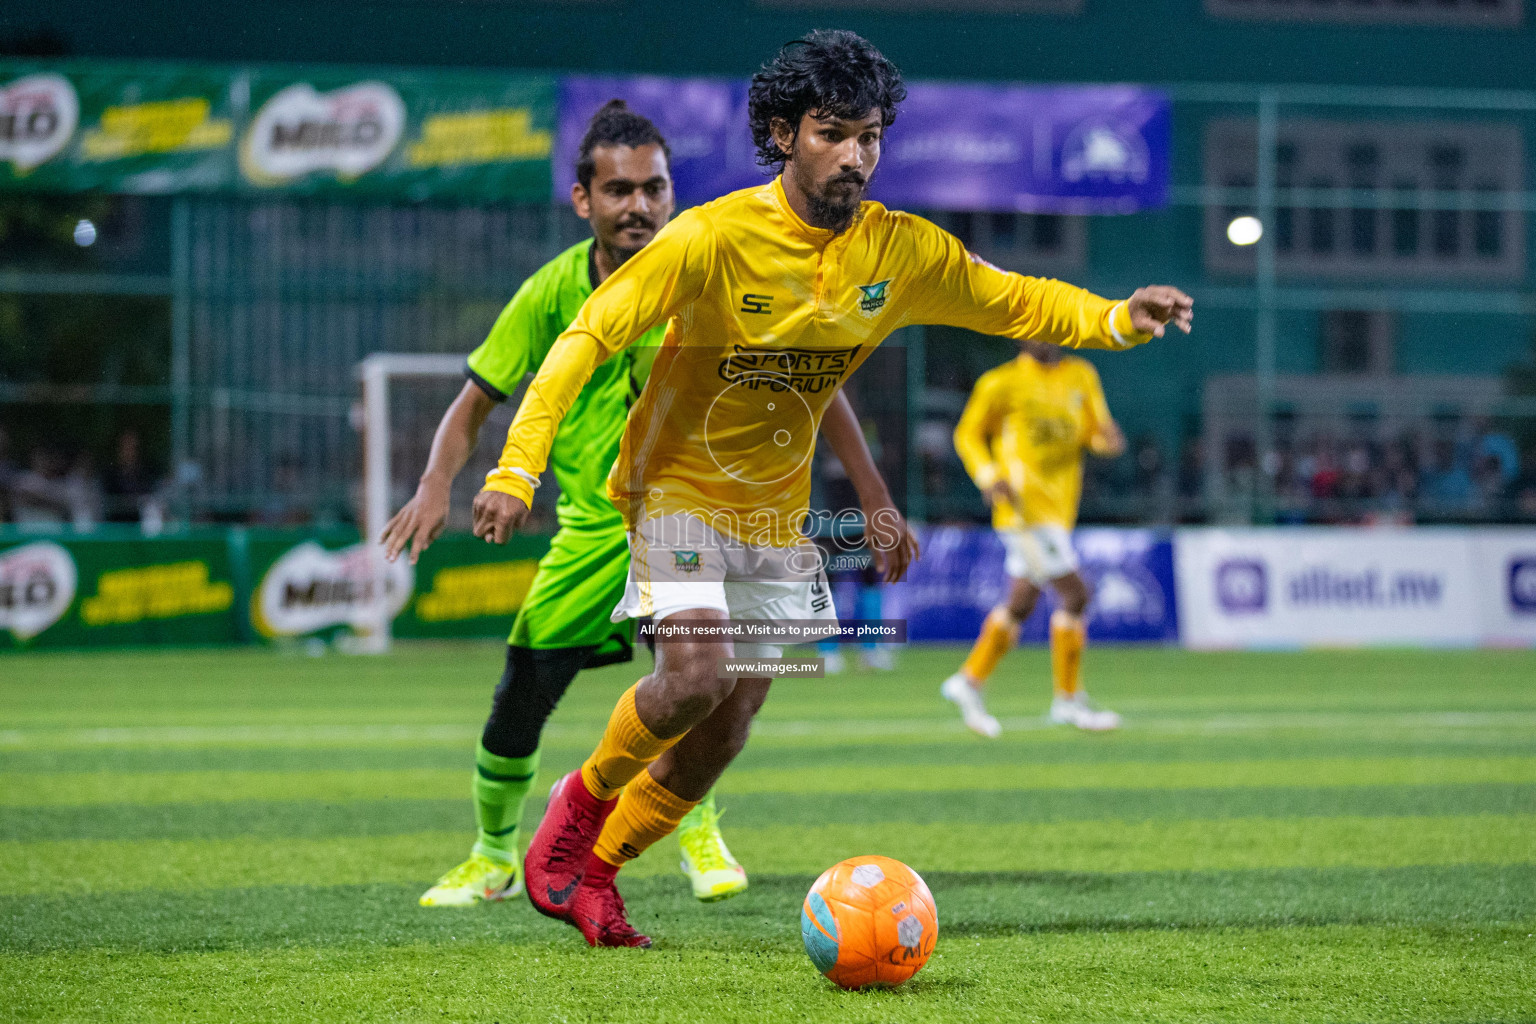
<point x="959" y="577"/>
<point x="1047" y="149"/>
<point x="704" y="121"/>
<point x="1038" y="149"/>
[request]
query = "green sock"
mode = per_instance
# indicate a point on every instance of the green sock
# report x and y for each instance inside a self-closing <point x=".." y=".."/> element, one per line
<point x="501" y="786"/>
<point x="695" y="817"/>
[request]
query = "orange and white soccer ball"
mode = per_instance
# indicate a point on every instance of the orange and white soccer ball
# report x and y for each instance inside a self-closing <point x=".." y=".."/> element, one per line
<point x="869" y="921"/>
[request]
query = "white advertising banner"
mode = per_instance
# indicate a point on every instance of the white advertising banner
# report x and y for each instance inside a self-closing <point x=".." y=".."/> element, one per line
<point x="1328" y="586"/>
<point x="1505" y="561"/>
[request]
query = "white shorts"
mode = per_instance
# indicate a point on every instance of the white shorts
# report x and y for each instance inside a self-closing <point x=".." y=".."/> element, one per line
<point x="1038" y="553"/>
<point x="679" y="562"/>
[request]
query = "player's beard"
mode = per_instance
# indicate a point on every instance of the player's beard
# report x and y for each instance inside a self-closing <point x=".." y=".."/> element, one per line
<point x="618" y="254"/>
<point x="833" y="204"/>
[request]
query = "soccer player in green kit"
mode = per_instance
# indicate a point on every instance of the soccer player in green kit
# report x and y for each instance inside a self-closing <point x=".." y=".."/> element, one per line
<point x="624" y="190"/>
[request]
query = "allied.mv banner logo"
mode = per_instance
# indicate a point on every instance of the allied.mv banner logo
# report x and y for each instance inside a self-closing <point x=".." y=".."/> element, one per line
<point x="1522" y="585"/>
<point x="1242" y="586"/>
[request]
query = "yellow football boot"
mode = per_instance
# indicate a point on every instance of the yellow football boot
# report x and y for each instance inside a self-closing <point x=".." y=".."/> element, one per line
<point x="478" y="879"/>
<point x="707" y="861"/>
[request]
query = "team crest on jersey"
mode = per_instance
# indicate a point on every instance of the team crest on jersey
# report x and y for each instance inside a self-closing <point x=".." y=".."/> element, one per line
<point x="687" y="561"/>
<point x="873" y="299"/>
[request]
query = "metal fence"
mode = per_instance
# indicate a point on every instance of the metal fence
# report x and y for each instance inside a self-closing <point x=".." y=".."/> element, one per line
<point x="1395" y="255"/>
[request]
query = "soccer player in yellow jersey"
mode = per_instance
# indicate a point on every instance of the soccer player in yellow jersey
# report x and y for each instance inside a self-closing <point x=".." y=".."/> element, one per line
<point x="1021" y="438"/>
<point x="773" y="296"/>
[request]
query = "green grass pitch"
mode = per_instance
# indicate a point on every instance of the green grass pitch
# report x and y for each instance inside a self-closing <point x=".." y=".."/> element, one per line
<point x="242" y="835"/>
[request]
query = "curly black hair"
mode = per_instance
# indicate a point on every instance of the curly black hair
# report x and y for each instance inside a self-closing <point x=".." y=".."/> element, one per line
<point x="830" y="72"/>
<point x="616" y="125"/>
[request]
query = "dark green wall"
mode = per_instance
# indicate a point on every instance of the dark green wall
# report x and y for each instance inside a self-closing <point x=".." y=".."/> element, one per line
<point x="1112" y="40"/>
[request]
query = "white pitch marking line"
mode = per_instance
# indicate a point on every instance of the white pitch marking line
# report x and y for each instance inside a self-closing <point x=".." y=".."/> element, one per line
<point x="789" y="729"/>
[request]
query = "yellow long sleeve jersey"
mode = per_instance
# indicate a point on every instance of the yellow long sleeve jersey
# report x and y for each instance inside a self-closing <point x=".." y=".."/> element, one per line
<point x="768" y="317"/>
<point x="1027" y="424"/>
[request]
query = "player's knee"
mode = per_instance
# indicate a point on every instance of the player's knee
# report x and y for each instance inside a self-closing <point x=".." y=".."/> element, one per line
<point x="1021" y="601"/>
<point x="1075" y="596"/>
<point x="531" y="686"/>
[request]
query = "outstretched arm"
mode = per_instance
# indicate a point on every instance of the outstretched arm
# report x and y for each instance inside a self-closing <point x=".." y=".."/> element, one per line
<point x="885" y="528"/>
<point x="649" y="288"/>
<point x="422" y="518"/>
<point x="958" y="288"/>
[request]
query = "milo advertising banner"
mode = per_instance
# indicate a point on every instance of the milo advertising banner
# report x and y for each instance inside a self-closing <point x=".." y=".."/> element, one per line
<point x="74" y="126"/>
<point x="150" y="130"/>
<point x="323" y="585"/>
<point x="471" y="137"/>
<point x="87" y="592"/>
<point x="117" y="589"/>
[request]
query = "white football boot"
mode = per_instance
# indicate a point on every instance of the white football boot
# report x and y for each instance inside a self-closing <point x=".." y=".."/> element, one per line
<point x="878" y="658"/>
<point x="1078" y="710"/>
<point x="958" y="691"/>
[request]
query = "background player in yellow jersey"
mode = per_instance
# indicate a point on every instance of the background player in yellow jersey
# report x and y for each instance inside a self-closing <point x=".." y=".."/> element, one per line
<point x="775" y="295"/>
<point x="1022" y="438"/>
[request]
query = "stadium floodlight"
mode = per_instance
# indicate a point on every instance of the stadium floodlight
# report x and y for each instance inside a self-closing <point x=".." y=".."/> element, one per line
<point x="1245" y="230"/>
<point x="378" y="371"/>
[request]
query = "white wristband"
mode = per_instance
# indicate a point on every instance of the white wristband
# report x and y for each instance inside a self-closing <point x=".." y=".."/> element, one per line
<point x="526" y="477"/>
<point x="1119" y="338"/>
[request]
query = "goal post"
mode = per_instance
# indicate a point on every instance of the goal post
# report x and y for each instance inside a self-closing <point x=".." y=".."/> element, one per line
<point x="381" y="437"/>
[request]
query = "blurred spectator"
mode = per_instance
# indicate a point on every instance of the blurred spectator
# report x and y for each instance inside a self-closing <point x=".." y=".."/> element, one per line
<point x="1447" y="483"/>
<point x="1523" y="489"/>
<point x="1488" y="484"/>
<point x="128" y="485"/>
<point x="1192" y="470"/>
<point x="1496" y="444"/>
<point x="1322" y="469"/>
<point x="39" y="496"/>
<point x="1149" y="464"/>
<point x="1394" y="484"/>
<point x="1439" y="467"/>
<point x="82" y="492"/>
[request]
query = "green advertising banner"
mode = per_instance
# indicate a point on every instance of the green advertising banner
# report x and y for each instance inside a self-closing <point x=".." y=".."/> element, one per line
<point x="79" y="592"/>
<point x="221" y="587"/>
<point x="161" y="129"/>
<point x="152" y="130"/>
<point x="307" y="584"/>
<point x="416" y="137"/>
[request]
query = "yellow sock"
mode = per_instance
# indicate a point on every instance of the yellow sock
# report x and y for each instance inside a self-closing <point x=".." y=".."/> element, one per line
<point x="1068" y="638"/>
<point x="626" y="748"/>
<point x="998" y="633"/>
<point x="647" y="811"/>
